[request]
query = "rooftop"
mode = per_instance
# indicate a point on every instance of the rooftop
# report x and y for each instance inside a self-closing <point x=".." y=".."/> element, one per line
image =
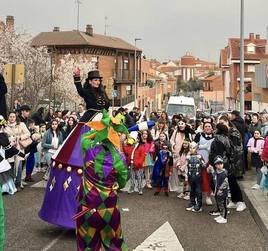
<point x="79" y="38"/>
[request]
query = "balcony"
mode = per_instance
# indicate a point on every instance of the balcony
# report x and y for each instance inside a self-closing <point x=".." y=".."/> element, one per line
<point x="124" y="100"/>
<point x="125" y="76"/>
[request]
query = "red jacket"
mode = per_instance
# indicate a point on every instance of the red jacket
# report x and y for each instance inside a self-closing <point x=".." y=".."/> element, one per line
<point x="139" y="155"/>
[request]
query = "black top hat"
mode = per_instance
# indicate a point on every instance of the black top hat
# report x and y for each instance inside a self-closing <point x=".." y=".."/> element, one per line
<point x="93" y="74"/>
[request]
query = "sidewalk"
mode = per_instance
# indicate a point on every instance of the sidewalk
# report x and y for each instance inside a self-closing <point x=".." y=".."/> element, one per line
<point x="256" y="200"/>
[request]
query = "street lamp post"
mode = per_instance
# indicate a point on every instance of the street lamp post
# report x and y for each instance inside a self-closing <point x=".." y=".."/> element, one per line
<point x="135" y="72"/>
<point x="242" y="85"/>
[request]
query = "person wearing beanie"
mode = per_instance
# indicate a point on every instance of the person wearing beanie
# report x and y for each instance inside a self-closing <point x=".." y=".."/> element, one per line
<point x="221" y="189"/>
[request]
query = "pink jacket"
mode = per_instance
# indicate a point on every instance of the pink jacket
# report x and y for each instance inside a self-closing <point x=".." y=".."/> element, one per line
<point x="149" y="148"/>
<point x="255" y="145"/>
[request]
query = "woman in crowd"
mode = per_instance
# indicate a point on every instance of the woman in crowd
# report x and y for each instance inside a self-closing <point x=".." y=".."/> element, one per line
<point x="236" y="165"/>
<point x="159" y="128"/>
<point x="7" y="151"/>
<point x="19" y="136"/>
<point x="183" y="132"/>
<point x="71" y="123"/>
<point x="204" y="140"/>
<point x="51" y="142"/>
<point x="174" y="123"/>
<point x="93" y="94"/>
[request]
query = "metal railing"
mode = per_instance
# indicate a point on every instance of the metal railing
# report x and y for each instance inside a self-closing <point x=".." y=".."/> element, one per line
<point x="124" y="100"/>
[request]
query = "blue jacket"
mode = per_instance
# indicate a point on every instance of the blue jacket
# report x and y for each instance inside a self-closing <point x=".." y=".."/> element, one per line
<point x="47" y="139"/>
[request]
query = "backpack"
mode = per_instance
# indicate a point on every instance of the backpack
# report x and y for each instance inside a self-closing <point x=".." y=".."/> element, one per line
<point x="264" y="155"/>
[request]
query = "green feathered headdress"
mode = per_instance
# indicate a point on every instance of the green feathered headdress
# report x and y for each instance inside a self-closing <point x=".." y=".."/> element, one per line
<point x="105" y="131"/>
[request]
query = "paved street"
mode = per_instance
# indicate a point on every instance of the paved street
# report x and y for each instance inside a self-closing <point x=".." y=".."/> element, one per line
<point x="146" y="214"/>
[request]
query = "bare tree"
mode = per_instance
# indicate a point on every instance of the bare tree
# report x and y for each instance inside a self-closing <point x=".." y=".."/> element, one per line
<point x="63" y="87"/>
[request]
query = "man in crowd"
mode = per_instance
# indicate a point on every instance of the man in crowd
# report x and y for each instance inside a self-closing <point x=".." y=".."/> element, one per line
<point x="81" y="111"/>
<point x="24" y="115"/>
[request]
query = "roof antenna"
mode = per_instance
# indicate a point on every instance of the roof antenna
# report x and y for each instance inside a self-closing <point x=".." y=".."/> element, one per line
<point x="78" y="2"/>
<point x="106" y="26"/>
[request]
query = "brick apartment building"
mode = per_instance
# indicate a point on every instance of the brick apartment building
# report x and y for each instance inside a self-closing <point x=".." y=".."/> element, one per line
<point x="255" y="50"/>
<point x="213" y="93"/>
<point x="112" y="56"/>
<point x="192" y="67"/>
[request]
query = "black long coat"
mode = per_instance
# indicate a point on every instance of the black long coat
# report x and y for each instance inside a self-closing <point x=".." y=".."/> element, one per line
<point x="3" y="91"/>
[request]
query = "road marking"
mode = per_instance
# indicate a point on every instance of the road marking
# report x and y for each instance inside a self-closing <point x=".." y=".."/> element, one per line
<point x="53" y="242"/>
<point x="40" y="184"/>
<point x="163" y="239"/>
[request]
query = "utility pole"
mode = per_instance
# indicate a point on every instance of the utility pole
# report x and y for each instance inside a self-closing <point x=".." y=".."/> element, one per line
<point x="242" y="70"/>
<point x="78" y="2"/>
<point x="106" y="25"/>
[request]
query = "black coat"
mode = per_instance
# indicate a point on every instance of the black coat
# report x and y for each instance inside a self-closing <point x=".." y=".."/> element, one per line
<point x="94" y="99"/>
<point x="220" y="146"/>
<point x="240" y="125"/>
<point x="3" y="91"/>
<point x="38" y="119"/>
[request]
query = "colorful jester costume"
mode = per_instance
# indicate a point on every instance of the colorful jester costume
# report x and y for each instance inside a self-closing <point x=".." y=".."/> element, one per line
<point x="60" y="201"/>
<point x="105" y="171"/>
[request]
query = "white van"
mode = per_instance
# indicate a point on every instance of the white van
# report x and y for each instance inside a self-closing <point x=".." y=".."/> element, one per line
<point x="181" y="105"/>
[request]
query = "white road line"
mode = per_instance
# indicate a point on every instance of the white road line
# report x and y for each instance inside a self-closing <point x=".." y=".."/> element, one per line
<point x="163" y="239"/>
<point x="53" y="242"/>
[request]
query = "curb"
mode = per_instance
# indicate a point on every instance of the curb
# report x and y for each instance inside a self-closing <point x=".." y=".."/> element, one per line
<point x="256" y="211"/>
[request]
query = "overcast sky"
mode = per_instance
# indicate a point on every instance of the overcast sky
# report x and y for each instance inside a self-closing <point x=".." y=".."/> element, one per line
<point x="168" y="28"/>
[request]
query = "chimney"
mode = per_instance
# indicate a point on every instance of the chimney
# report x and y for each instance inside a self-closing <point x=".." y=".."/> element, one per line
<point x="89" y="30"/>
<point x="258" y="36"/>
<point x="56" y="29"/>
<point x="251" y="36"/>
<point x="10" y="23"/>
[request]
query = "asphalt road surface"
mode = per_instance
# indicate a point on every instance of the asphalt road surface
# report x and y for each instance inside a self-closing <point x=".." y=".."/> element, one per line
<point x="142" y="215"/>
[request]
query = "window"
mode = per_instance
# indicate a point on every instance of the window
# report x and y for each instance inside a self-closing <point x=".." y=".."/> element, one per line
<point x="125" y="64"/>
<point x="251" y="48"/>
<point x="129" y="89"/>
<point x="251" y="68"/>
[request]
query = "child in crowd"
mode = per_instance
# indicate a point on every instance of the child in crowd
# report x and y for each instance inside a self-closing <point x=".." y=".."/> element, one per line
<point x="181" y="166"/>
<point x="221" y="189"/>
<point x="147" y="139"/>
<point x="255" y="146"/>
<point x="134" y="150"/>
<point x="195" y="164"/>
<point x="162" y="168"/>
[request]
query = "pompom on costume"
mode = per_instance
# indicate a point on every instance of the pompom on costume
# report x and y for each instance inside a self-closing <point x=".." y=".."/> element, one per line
<point x="105" y="171"/>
